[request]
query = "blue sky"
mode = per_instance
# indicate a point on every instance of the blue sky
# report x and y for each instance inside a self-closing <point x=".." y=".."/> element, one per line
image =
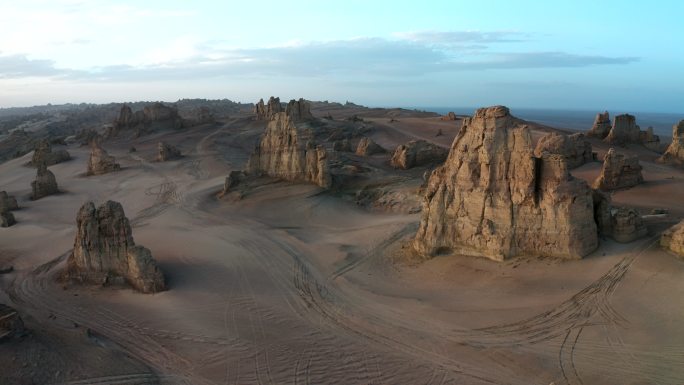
<point x="616" y="55"/>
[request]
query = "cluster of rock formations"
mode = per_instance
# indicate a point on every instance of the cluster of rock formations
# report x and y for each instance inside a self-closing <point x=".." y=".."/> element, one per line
<point x="367" y="147"/>
<point x="44" y="154"/>
<point x="624" y="130"/>
<point x="104" y="251"/>
<point x="142" y="120"/>
<point x="287" y="150"/>
<point x="45" y="183"/>
<point x="574" y="148"/>
<point x="675" y="151"/>
<point x="417" y="153"/>
<point x="268" y="111"/>
<point x="11" y="324"/>
<point x="7" y="204"/>
<point x="166" y="152"/>
<point x="343" y="145"/>
<point x="100" y="162"/>
<point x="449" y="116"/>
<point x="619" y="171"/>
<point x="494" y="198"/>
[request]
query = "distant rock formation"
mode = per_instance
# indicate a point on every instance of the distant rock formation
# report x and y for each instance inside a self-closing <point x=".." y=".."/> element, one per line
<point x="675" y="151"/>
<point x="45" y="183"/>
<point x="100" y="162"/>
<point x="493" y="198"/>
<point x="602" y="126"/>
<point x="449" y="116"/>
<point x="343" y="145"/>
<point x="624" y="130"/>
<point x="368" y="147"/>
<point x="619" y="171"/>
<point x="104" y="251"/>
<point x="166" y="152"/>
<point x="650" y="140"/>
<point x="575" y="148"/>
<point x="417" y="153"/>
<point x="198" y="116"/>
<point x="142" y="121"/>
<point x="673" y="239"/>
<point x="267" y="112"/>
<point x="287" y="150"/>
<point x="44" y="154"/>
<point x="11" y="324"/>
<point x="7" y="202"/>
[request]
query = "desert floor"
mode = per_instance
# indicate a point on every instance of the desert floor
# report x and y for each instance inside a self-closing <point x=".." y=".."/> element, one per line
<point x="294" y="285"/>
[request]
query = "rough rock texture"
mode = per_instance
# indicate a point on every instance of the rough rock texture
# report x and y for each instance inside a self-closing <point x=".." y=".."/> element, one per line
<point x="100" y="162"/>
<point x="7" y="202"/>
<point x="104" y="251"/>
<point x="417" y="153"/>
<point x="200" y="115"/>
<point x="7" y="219"/>
<point x="11" y="324"/>
<point x="449" y="116"/>
<point x="626" y="225"/>
<point x="44" y="154"/>
<point x="267" y="112"/>
<point x="602" y="126"/>
<point x="45" y="183"/>
<point x="673" y="239"/>
<point x="343" y="145"/>
<point x="575" y="148"/>
<point x="493" y="198"/>
<point x="167" y="152"/>
<point x="368" y="147"/>
<point x="650" y="140"/>
<point x="619" y="171"/>
<point x="143" y="120"/>
<point x="286" y="149"/>
<point x="675" y="151"/>
<point x="624" y="130"/>
<point x="232" y="180"/>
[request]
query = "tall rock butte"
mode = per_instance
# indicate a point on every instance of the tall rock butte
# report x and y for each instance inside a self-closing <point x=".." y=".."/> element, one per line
<point x="602" y="126"/>
<point x="104" y="251"/>
<point x="45" y="183"/>
<point x="44" y="154"/>
<point x="267" y="111"/>
<point x="493" y="198"/>
<point x="618" y="171"/>
<point x="624" y="130"/>
<point x="100" y="162"/>
<point x="675" y="151"/>
<point x="575" y="148"/>
<point x="287" y="151"/>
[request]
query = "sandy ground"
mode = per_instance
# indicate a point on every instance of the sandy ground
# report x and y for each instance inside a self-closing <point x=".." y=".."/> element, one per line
<point x="292" y="285"/>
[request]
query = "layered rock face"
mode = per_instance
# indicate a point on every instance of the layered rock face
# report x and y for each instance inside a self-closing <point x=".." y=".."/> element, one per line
<point x="100" y="162"/>
<point x="619" y="171"/>
<point x="575" y="148"/>
<point x="11" y="324"/>
<point x="104" y="251"/>
<point x="44" y="154"/>
<point x="267" y="112"/>
<point x="417" y="153"/>
<point x="286" y="149"/>
<point x="627" y="225"/>
<point x="7" y="202"/>
<point x="624" y="130"/>
<point x="493" y="198"/>
<point x="45" y="183"/>
<point x="675" y="151"/>
<point x="368" y="147"/>
<point x="602" y="126"/>
<point x="650" y="140"/>
<point x="167" y="152"/>
<point x="673" y="239"/>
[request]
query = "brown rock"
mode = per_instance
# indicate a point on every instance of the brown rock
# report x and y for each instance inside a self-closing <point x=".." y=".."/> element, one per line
<point x="100" y="162"/>
<point x="619" y="171"/>
<point x="624" y="130"/>
<point x="104" y="251"/>
<point x="417" y="153"/>
<point x="153" y="115"/>
<point x="11" y="324"/>
<point x="299" y="110"/>
<point x="601" y="127"/>
<point x="449" y="116"/>
<point x="673" y="239"/>
<point x="7" y="219"/>
<point x="627" y="225"/>
<point x="575" y="148"/>
<point x="368" y="147"/>
<point x="493" y="198"/>
<point x="650" y="140"/>
<point x="232" y="180"/>
<point x="675" y="151"/>
<point x="267" y="112"/>
<point x="7" y="202"/>
<point x="44" y="154"/>
<point x="166" y="152"/>
<point x="45" y="183"/>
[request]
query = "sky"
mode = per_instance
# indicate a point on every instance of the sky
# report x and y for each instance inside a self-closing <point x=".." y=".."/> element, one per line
<point x="596" y="55"/>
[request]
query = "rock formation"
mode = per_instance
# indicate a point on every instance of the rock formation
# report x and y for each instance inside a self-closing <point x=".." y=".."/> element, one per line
<point x="7" y="219"/>
<point x="673" y="239"/>
<point x="626" y="225"/>
<point x="45" y="183"/>
<point x="104" y="251"/>
<point x="368" y="147"/>
<point x="619" y="171"/>
<point x="167" y="152"/>
<point x="493" y="198"/>
<point x="343" y="145"/>
<point x="267" y="112"/>
<point x="601" y="127"/>
<point x="7" y="202"/>
<point x="650" y="140"/>
<point x="11" y="324"/>
<point x="156" y="114"/>
<point x="417" y="153"/>
<point x="449" y="116"/>
<point x="44" y="154"/>
<point x="675" y="151"/>
<point x="575" y="148"/>
<point x="286" y="149"/>
<point x="100" y="162"/>
<point x="624" y="130"/>
<point x="232" y="180"/>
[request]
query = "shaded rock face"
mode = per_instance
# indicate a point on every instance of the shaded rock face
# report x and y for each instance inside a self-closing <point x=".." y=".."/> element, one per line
<point x="449" y="116"/>
<point x="286" y="149"/>
<point x="167" y="152"/>
<point x="104" y="251"/>
<point x="624" y="130"/>
<point x="140" y="121"/>
<point x="44" y="154"/>
<point x="45" y="183"/>
<point x="619" y="171"/>
<point x="232" y="181"/>
<point x="11" y="324"/>
<point x="493" y="198"/>
<point x="675" y="151"/>
<point x="267" y="112"/>
<point x="602" y="126"/>
<point x="417" y="153"/>
<point x="343" y="145"/>
<point x="368" y="147"/>
<point x="673" y="239"/>
<point x="100" y="162"/>
<point x="7" y="202"/>
<point x="627" y="225"/>
<point x="650" y="140"/>
<point x="7" y="219"/>
<point x="575" y="148"/>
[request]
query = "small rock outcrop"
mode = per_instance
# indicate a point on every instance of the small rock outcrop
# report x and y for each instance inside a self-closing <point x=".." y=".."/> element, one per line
<point x="575" y="148"/>
<point x="449" y="116"/>
<point x="268" y="111"/>
<point x="417" y="153"/>
<point x="650" y="140"/>
<point x="626" y="225"/>
<point x="673" y="239"/>
<point x="343" y="145"/>
<point x="100" y="162"/>
<point x="44" y="154"/>
<point x="166" y="152"/>
<point x="675" y="151"/>
<point x="45" y="183"/>
<point x="7" y="219"/>
<point x="368" y="147"/>
<point x="7" y="202"/>
<point x="104" y="251"/>
<point x="493" y="198"/>
<point x="11" y="324"/>
<point x="624" y="130"/>
<point x="602" y="126"/>
<point x="232" y="180"/>
<point x="619" y="171"/>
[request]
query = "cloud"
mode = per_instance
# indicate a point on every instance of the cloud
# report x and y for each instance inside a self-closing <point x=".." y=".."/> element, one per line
<point x="19" y="66"/>
<point x="459" y="38"/>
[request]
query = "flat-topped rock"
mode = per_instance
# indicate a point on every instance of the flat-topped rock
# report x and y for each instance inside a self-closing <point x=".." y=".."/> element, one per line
<point x="619" y="171"/>
<point x="417" y="153"/>
<point x="575" y="148"/>
<point x="100" y="162"/>
<point x="45" y="183"/>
